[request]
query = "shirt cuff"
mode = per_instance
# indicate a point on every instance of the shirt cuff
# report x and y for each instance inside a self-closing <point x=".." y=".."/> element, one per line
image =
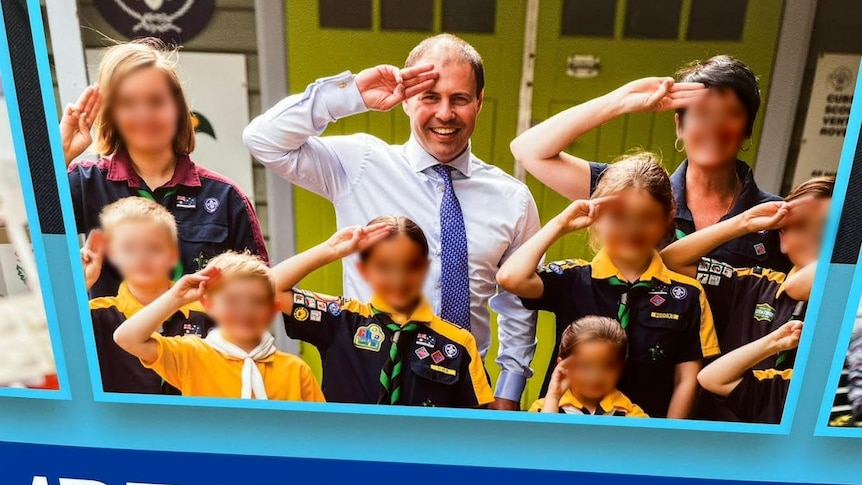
<point x="510" y="385"/>
<point x="341" y="96"/>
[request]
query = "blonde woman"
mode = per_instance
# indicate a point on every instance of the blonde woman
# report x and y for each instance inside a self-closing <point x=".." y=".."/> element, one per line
<point x="143" y="130"/>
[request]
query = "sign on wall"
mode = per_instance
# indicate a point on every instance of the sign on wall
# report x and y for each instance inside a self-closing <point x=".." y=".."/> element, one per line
<point x="828" y="113"/>
<point x="217" y="90"/>
<point x="173" y="21"/>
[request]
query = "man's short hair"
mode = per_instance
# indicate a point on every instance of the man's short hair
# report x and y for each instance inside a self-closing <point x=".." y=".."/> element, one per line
<point x="457" y="49"/>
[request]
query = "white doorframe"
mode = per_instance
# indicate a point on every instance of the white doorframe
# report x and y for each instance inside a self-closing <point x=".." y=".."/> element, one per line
<point x="784" y="92"/>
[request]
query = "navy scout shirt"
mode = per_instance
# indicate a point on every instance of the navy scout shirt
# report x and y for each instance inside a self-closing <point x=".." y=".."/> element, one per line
<point x="441" y="362"/>
<point x="670" y="321"/>
<point x="760" y="396"/>
<point x="213" y="215"/>
<point x="756" y="249"/>
<point x="120" y="370"/>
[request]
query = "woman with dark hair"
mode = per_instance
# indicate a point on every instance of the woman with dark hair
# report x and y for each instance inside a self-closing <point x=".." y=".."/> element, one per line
<point x="716" y="102"/>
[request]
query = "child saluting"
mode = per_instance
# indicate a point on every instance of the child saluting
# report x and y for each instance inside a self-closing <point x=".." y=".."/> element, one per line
<point x="393" y="349"/>
<point x="238" y="358"/>
<point x="665" y="314"/>
<point x="590" y="362"/>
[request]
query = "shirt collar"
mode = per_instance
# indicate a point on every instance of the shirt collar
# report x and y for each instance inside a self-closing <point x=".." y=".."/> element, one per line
<point x="603" y="268"/>
<point x="420" y="160"/>
<point x="610" y="403"/>
<point x="783" y="287"/>
<point x="748" y="197"/>
<point x="423" y="313"/>
<point x="130" y="305"/>
<point x="120" y="169"/>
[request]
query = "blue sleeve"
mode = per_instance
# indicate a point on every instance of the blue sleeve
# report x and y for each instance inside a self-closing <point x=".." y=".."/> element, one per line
<point x="244" y="227"/>
<point x="596" y="171"/>
<point x="76" y="184"/>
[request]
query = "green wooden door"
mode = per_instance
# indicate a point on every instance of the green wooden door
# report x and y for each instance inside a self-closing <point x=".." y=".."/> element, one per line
<point x="633" y="39"/>
<point x="319" y="45"/>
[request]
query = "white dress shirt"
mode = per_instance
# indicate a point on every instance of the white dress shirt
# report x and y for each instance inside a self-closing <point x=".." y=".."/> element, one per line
<point x="365" y="177"/>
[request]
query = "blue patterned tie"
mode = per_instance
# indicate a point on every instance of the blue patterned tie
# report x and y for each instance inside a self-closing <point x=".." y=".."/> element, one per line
<point x="455" y="275"/>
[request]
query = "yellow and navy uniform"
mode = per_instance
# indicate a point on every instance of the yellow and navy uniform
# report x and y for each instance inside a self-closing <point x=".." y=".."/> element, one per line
<point x="441" y="362"/>
<point x="120" y="370"/>
<point x="669" y="320"/>
<point x="748" y="304"/>
<point x="759" y="397"/>
<point x="614" y="404"/>
<point x="192" y="365"/>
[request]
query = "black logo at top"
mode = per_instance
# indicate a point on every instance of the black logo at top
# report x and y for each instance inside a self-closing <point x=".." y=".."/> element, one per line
<point x="173" y="21"/>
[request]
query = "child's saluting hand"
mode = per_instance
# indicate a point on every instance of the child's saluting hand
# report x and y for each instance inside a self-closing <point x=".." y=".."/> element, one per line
<point x="581" y="214"/>
<point x="191" y="287"/>
<point x="557" y="387"/>
<point x="92" y="257"/>
<point x="356" y="238"/>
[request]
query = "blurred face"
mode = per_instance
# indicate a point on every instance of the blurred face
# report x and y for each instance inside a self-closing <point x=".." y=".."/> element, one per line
<point x="633" y="227"/>
<point x="243" y="308"/>
<point x="800" y="240"/>
<point x="594" y="369"/>
<point x="143" y="252"/>
<point x="714" y="129"/>
<point x="442" y="118"/>
<point x="395" y="269"/>
<point x="145" y="111"/>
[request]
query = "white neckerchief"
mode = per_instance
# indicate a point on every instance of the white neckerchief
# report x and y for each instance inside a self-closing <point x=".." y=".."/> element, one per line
<point x="252" y="381"/>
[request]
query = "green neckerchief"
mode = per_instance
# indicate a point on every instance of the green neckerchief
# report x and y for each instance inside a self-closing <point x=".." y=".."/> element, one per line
<point x="390" y="374"/>
<point x="624" y="311"/>
<point x="178" y="269"/>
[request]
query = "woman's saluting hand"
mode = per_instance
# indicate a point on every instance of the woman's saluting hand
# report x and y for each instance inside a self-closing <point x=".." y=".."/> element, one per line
<point x="77" y="121"/>
<point x="657" y="94"/>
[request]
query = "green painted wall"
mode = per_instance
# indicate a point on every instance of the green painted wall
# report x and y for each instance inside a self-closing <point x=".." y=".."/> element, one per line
<point x="315" y="52"/>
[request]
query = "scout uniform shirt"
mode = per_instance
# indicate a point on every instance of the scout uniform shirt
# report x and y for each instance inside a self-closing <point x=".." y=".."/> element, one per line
<point x="748" y="304"/>
<point x="121" y="371"/>
<point x="665" y="315"/>
<point x="192" y="365"/>
<point x="213" y="215"/>
<point x="614" y="404"/>
<point x="440" y="361"/>
<point x="755" y="249"/>
<point x="759" y="396"/>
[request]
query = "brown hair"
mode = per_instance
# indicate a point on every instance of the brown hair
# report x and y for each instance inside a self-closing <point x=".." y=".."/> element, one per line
<point x="590" y="329"/>
<point x="233" y="266"/>
<point x="120" y="60"/>
<point x="400" y="225"/>
<point x="137" y="209"/>
<point x="456" y="49"/>
<point x="818" y="187"/>
<point x="638" y="169"/>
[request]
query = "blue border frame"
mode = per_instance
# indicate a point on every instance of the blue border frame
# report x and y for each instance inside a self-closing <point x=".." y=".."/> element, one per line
<point x="42" y="266"/>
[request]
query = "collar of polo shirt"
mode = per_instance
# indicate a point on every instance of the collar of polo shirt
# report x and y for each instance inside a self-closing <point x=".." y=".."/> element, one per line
<point x="423" y="312"/>
<point x="120" y="169"/>
<point x="421" y="160"/>
<point x="610" y="403"/>
<point x="783" y="286"/>
<point x="603" y="268"/>
<point x="129" y="305"/>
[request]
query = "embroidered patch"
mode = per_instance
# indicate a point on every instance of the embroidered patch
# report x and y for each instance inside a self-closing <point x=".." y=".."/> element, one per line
<point x="657" y="300"/>
<point x="315" y="315"/>
<point x="211" y="205"/>
<point x="656" y="353"/>
<point x="310" y="302"/>
<point x="716" y="268"/>
<point x="555" y="268"/>
<point x="334" y="308"/>
<point x="679" y="292"/>
<point x="191" y="329"/>
<point x="300" y="314"/>
<point x="445" y="370"/>
<point x="450" y="350"/>
<point x="664" y="316"/>
<point x="728" y="271"/>
<point x="321" y="306"/>
<point x="298" y="299"/>
<point x="186" y="202"/>
<point x="703" y="265"/>
<point x="437" y="357"/>
<point x="760" y="249"/>
<point x="422" y="353"/>
<point x="368" y="338"/>
<point x="764" y="312"/>
<point x="714" y="280"/>
<point x="426" y="340"/>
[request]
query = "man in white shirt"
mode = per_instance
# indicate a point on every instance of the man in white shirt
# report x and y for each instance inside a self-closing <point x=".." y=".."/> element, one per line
<point x="473" y="214"/>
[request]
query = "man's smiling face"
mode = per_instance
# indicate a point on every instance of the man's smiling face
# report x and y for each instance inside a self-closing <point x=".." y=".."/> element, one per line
<point x="442" y="118"/>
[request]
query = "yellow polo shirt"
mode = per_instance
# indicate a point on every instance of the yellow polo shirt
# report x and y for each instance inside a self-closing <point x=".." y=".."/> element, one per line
<point x="614" y="404"/>
<point x="196" y="369"/>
